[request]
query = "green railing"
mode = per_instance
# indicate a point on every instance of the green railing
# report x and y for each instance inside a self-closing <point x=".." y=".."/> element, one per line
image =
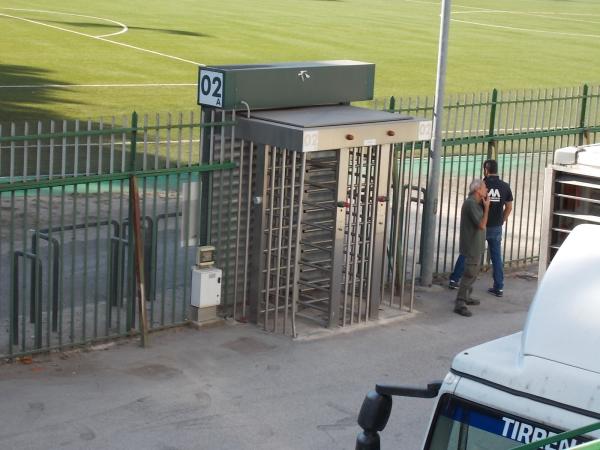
<point x="521" y="129"/>
<point x="66" y="253"/>
<point x="67" y="227"/>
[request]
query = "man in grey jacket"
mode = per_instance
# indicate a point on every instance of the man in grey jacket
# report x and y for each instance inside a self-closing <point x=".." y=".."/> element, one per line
<point x="473" y="221"/>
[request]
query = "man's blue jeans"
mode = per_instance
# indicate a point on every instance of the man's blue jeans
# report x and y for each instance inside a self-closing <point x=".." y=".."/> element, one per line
<point x="493" y="236"/>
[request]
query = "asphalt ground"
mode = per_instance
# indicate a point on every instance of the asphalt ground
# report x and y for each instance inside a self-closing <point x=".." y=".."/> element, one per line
<point x="234" y="386"/>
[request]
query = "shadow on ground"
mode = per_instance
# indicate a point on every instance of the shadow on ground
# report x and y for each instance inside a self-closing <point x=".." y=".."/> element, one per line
<point x="26" y="103"/>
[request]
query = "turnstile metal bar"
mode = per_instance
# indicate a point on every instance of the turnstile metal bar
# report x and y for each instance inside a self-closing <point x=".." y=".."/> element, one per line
<point x="364" y="236"/>
<point x="320" y="206"/>
<point x="321" y="261"/>
<point x="319" y="220"/>
<point x="309" y="305"/>
<point x="229" y="261"/>
<point x="355" y="217"/>
<point x="322" y="163"/>
<point x="405" y="238"/>
<point x="317" y="266"/>
<point x="313" y="286"/>
<point x="279" y="235"/>
<point x="320" y="280"/>
<point x="270" y="154"/>
<point x="375" y="271"/>
<point x="274" y="289"/>
<point x="388" y="224"/>
<point x="347" y="237"/>
<point x="238" y="228"/>
<point x="398" y="199"/>
<point x="322" y="185"/>
<point x="420" y="200"/>
<point x="316" y="247"/>
<point x="292" y="194"/>
<point x="296" y="283"/>
<point x="313" y="301"/>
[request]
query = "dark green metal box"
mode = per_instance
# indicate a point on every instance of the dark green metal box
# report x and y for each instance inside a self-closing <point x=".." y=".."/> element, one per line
<point x="285" y="85"/>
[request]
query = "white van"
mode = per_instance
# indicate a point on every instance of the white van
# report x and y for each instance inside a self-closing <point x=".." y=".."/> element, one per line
<point x="525" y="387"/>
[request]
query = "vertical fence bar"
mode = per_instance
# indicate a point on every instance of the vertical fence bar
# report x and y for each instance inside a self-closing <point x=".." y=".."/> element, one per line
<point x="295" y="291"/>
<point x="350" y="224"/>
<point x="353" y="224"/>
<point x="238" y="218"/>
<point x="282" y="185"/>
<point x="230" y="197"/>
<point x="248" y="221"/>
<point x="177" y="233"/>
<point x="491" y="145"/>
<point x="369" y="181"/>
<point x="270" y="152"/>
<point x="582" y="113"/>
<point x="442" y="157"/>
<point x="289" y="265"/>
<point x="417" y="216"/>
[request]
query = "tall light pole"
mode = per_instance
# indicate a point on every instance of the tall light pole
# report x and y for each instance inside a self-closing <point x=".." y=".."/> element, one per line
<point x="428" y="229"/>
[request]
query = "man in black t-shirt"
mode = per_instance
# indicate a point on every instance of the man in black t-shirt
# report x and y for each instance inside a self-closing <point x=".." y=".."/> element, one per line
<point x="501" y="199"/>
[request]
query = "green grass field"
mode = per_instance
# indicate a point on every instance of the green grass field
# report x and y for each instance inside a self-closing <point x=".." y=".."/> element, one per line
<point x="501" y="43"/>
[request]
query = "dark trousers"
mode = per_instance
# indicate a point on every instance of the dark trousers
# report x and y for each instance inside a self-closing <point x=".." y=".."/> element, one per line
<point x="472" y="266"/>
<point x="493" y="236"/>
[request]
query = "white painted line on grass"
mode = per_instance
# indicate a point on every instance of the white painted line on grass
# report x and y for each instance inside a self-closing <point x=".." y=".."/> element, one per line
<point x="105" y="40"/>
<point x="68" y="86"/>
<point x="529" y="30"/>
<point x="438" y="4"/>
<point x="544" y="15"/>
<point x="122" y="25"/>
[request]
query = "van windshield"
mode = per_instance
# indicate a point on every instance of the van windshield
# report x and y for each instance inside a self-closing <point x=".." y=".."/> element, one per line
<point x="463" y="425"/>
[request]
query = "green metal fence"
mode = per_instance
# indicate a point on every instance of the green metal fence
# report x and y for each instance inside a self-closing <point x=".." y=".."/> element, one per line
<point x="66" y="234"/>
<point x="521" y="129"/>
<point x="66" y="241"/>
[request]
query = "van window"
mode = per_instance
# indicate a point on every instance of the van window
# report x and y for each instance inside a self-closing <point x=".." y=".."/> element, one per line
<point x="463" y="425"/>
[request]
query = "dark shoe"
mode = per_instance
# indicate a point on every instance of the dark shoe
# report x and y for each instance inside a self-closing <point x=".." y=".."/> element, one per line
<point x="496" y="292"/>
<point x="463" y="311"/>
<point x="453" y="284"/>
<point x="472" y="301"/>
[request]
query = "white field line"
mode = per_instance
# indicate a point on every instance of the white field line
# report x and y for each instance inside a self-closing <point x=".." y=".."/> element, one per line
<point x="551" y="16"/>
<point x="543" y="14"/>
<point x="528" y="30"/>
<point x="122" y="25"/>
<point x="105" y="40"/>
<point x="438" y="4"/>
<point x="69" y="86"/>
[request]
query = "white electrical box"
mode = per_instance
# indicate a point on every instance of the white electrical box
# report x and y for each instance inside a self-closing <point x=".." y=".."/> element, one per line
<point x="206" y="287"/>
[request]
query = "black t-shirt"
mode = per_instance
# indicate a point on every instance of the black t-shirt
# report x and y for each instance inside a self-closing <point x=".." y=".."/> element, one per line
<point x="499" y="193"/>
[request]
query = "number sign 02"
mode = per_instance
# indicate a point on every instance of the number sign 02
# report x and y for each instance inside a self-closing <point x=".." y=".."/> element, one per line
<point x="210" y="88"/>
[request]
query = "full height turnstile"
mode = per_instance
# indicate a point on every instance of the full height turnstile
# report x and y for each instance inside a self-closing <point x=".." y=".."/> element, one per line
<point x="310" y="201"/>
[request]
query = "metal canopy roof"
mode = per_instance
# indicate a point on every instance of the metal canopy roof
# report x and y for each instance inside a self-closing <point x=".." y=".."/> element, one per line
<point x="326" y="116"/>
<point x="330" y="127"/>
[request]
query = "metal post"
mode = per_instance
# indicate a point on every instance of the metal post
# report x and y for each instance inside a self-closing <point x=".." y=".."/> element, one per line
<point x="584" y="98"/>
<point x="492" y="151"/>
<point x="258" y="241"/>
<point x="428" y="230"/>
<point x="135" y="238"/>
<point x="338" y="240"/>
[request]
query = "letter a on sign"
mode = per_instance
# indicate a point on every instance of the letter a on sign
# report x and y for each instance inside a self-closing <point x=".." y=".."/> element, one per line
<point x="210" y="88"/>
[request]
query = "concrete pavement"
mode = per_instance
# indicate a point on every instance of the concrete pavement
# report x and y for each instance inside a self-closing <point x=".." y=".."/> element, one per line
<point x="237" y="387"/>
